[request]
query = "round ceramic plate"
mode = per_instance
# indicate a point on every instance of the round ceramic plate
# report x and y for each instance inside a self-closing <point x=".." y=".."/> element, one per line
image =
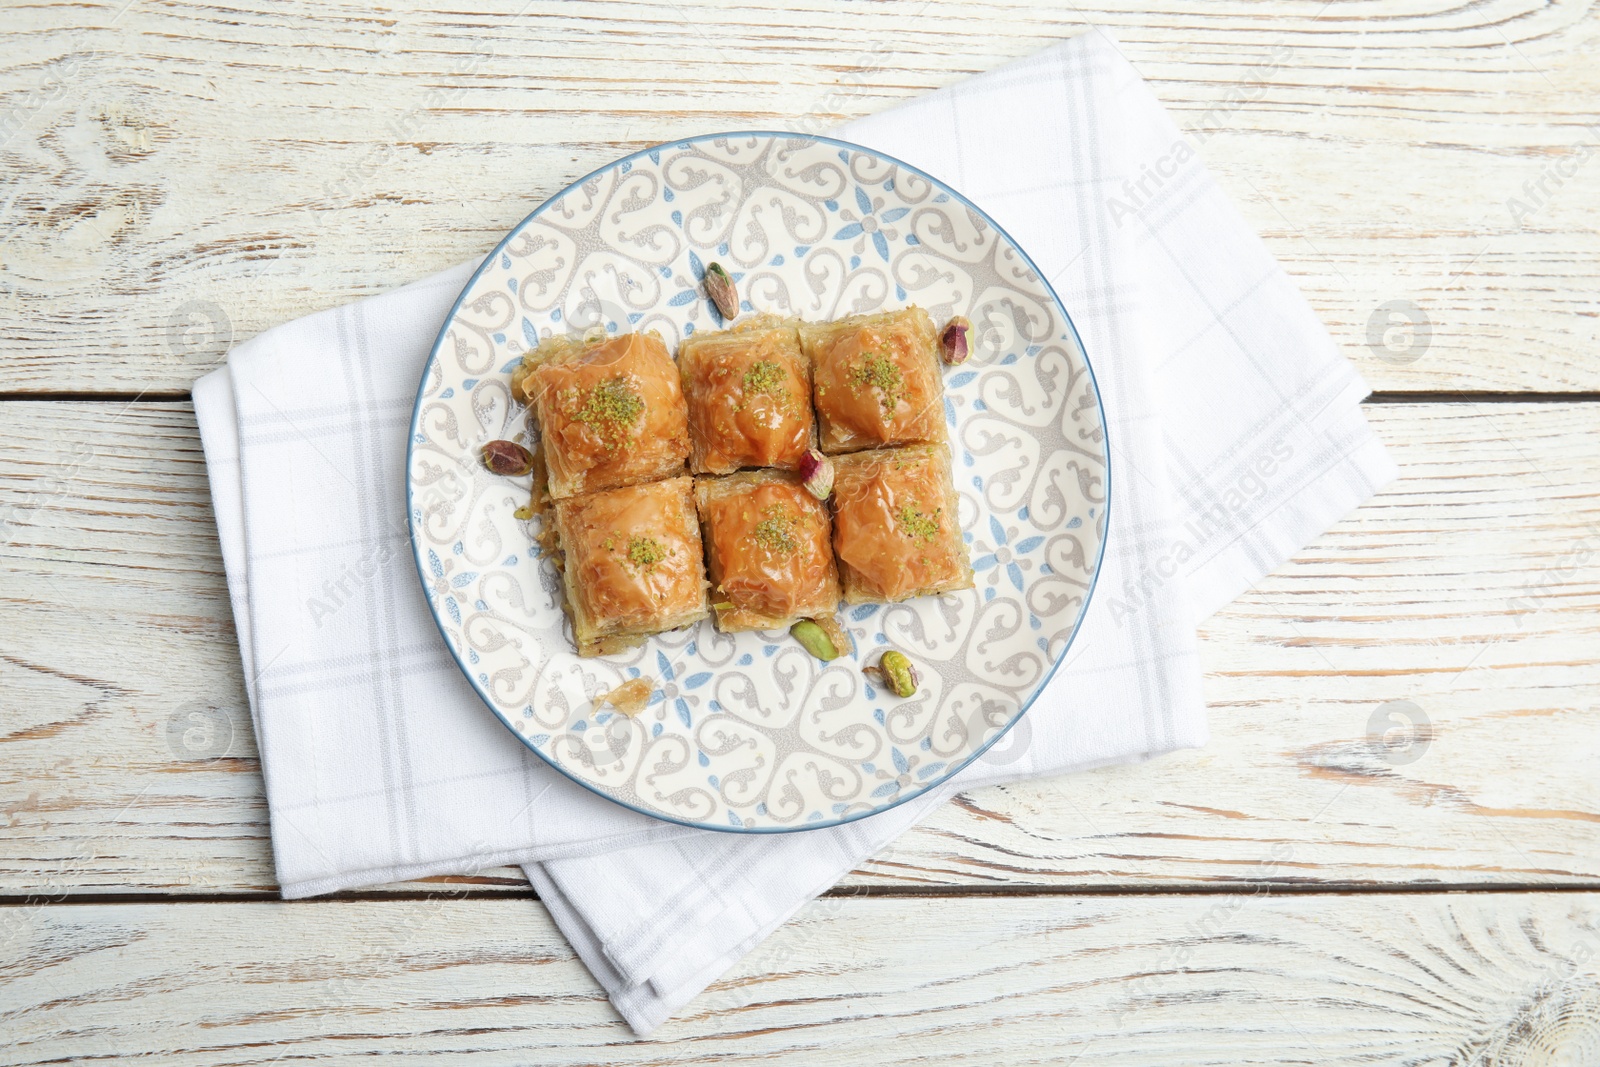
<point x="747" y="732"/>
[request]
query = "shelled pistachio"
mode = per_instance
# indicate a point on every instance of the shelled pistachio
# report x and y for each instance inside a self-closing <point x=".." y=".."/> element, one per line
<point x="814" y="639"/>
<point x="721" y="290"/>
<point x="895" y="672"/>
<point x="508" y="458"/>
<point x="816" y="473"/>
<point x="953" y="345"/>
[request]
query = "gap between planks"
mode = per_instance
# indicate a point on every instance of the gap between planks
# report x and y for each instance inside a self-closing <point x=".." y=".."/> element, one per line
<point x="952" y="892"/>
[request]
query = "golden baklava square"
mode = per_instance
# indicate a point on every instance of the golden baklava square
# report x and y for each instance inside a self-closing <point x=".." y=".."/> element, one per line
<point x="877" y="380"/>
<point x="749" y="396"/>
<point x="768" y="550"/>
<point x="610" y="412"/>
<point x="631" y="563"/>
<point x="896" y="529"/>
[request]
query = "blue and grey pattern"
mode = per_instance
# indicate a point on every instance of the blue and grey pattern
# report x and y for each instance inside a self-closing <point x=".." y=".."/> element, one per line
<point x="748" y="732"/>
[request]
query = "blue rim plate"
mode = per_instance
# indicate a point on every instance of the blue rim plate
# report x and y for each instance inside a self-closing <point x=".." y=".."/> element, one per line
<point x="747" y="732"/>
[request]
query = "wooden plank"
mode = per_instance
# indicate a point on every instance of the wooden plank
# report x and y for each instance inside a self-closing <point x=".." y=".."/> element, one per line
<point x="182" y="174"/>
<point x="1212" y="979"/>
<point x="1469" y="589"/>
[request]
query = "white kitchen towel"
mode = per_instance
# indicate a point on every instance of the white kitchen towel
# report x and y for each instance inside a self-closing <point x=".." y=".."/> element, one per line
<point x="380" y="762"/>
<point x="1235" y="439"/>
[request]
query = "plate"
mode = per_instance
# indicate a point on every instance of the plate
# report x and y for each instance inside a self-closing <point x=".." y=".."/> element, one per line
<point x="747" y="732"/>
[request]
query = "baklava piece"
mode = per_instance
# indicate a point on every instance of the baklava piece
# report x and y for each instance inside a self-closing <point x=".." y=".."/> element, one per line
<point x="749" y="396"/>
<point x="877" y="380"/>
<point x="632" y="563"/>
<point x="767" y="549"/>
<point x="895" y="525"/>
<point x="610" y="412"/>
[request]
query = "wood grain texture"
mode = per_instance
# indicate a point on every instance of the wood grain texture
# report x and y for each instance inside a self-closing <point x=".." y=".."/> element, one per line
<point x="1469" y="589"/>
<point x="1485" y="980"/>
<point x="177" y="175"/>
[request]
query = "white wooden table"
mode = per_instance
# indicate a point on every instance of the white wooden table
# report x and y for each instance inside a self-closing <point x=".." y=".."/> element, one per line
<point x="1308" y="889"/>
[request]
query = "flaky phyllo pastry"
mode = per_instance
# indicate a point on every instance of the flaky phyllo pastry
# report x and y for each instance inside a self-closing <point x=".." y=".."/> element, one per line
<point x="632" y="563"/>
<point x="610" y="411"/>
<point x="877" y="380"/>
<point x="895" y="527"/>
<point x="768" y="550"/>
<point x="636" y="538"/>
<point x="749" y="396"/>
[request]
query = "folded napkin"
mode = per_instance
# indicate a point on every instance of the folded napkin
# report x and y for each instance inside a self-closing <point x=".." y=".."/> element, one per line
<point x="1236" y="438"/>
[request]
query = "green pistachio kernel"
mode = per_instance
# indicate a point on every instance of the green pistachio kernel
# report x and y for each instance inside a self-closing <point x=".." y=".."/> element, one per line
<point x="814" y="639"/>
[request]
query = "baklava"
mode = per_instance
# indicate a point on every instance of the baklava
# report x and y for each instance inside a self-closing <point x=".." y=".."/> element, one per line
<point x="610" y="412"/>
<point x="877" y="380"/>
<point x="749" y="396"/>
<point x="895" y="525"/>
<point x="767" y="550"/>
<point x="632" y="563"/>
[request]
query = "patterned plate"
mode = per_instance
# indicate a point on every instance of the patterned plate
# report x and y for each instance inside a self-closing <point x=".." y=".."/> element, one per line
<point x="748" y="732"/>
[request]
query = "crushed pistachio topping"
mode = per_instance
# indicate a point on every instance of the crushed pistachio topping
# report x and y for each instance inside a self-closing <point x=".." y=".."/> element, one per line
<point x="645" y="552"/>
<point x="917" y="523"/>
<point x="775" y="531"/>
<point x="877" y="369"/>
<point x="766" y="376"/>
<point x="610" y="409"/>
